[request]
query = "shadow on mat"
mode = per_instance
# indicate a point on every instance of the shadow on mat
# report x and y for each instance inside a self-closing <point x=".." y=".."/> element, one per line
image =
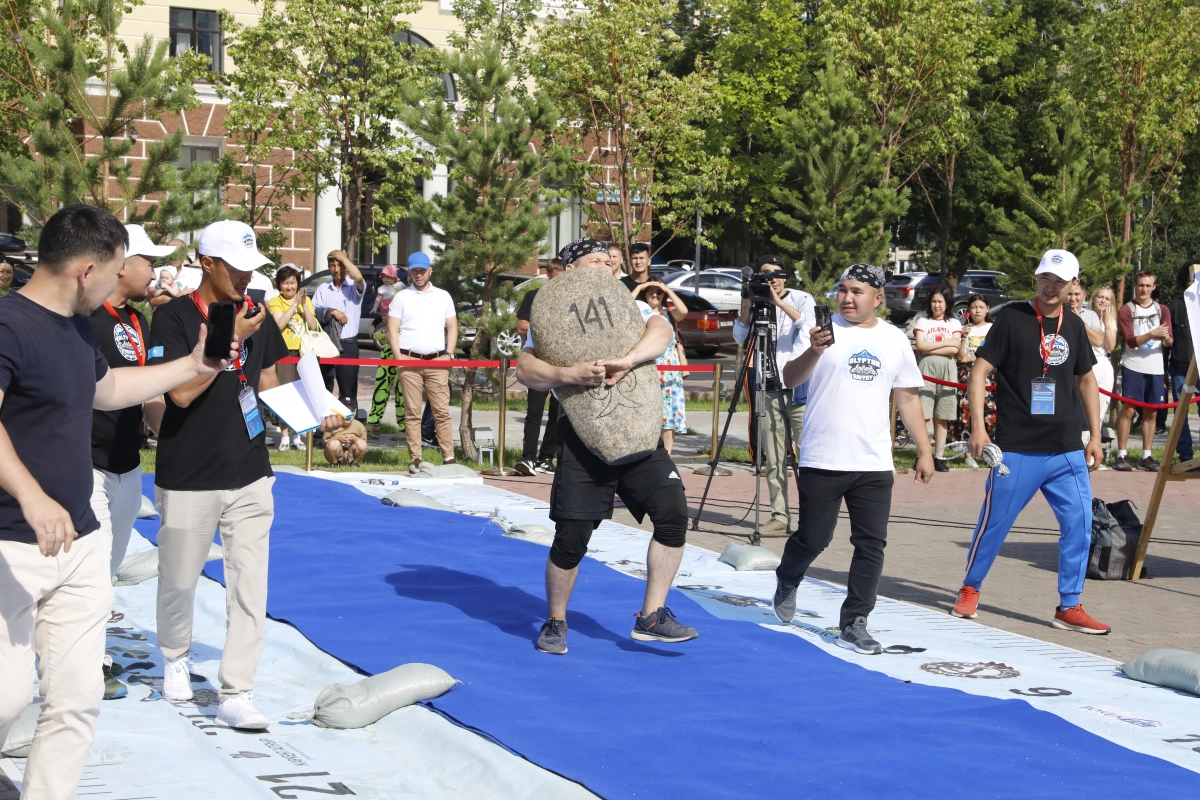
<point x="514" y="611"/>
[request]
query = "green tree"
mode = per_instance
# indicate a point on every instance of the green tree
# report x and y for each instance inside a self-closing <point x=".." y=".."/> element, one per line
<point x="630" y="119"/>
<point x="503" y="162"/>
<point x="82" y="92"/>
<point x="338" y="81"/>
<point x="835" y="203"/>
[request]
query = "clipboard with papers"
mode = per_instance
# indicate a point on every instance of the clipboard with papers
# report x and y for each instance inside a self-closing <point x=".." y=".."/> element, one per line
<point x="303" y="404"/>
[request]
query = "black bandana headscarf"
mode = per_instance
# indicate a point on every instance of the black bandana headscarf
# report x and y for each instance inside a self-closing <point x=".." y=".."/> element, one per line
<point x="872" y="276"/>
<point x="580" y="248"/>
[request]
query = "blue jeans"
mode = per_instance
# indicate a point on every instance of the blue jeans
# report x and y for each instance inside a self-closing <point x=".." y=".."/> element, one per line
<point x="1184" y="448"/>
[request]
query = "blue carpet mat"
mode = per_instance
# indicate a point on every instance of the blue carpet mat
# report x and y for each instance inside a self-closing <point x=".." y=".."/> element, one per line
<point x="740" y="712"/>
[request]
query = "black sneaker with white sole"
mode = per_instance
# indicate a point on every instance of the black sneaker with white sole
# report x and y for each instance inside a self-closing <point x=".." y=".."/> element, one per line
<point x="784" y="602"/>
<point x="526" y="468"/>
<point x="661" y="626"/>
<point x="552" y="638"/>
<point x="855" y="637"/>
<point x="545" y="467"/>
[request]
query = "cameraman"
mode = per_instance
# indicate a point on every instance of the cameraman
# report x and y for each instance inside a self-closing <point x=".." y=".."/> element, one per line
<point x="794" y="315"/>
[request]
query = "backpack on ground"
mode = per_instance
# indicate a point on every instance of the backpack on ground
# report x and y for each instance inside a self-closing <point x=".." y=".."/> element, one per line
<point x="1116" y="531"/>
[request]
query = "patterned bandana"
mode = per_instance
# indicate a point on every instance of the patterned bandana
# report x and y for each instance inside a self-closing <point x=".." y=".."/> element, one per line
<point x="872" y="276"/>
<point x="580" y="248"/>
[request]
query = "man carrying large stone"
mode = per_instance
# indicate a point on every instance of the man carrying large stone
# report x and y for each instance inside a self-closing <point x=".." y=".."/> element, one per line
<point x="584" y="483"/>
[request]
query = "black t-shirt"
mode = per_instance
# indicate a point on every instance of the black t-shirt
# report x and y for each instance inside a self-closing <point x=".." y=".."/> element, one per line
<point x="49" y="367"/>
<point x="1181" y="349"/>
<point x="205" y="447"/>
<point x="1012" y="345"/>
<point x="117" y="435"/>
<point x="526" y="305"/>
<point x="630" y="283"/>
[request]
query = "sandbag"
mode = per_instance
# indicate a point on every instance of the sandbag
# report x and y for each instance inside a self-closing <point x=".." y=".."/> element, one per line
<point x="586" y="315"/>
<point x="744" y="557"/>
<point x="144" y="565"/>
<point x="409" y="498"/>
<point x="147" y="510"/>
<point x="1175" y="669"/>
<point x="20" y="736"/>
<point x="532" y="532"/>
<point x="371" y="699"/>
<point x="428" y="470"/>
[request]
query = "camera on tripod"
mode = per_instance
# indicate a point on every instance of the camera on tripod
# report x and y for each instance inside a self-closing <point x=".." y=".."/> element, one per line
<point x="755" y="285"/>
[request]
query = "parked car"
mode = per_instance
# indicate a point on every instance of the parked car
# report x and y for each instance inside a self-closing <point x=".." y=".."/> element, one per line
<point x="899" y="294"/>
<point x="722" y="290"/>
<point x="11" y="244"/>
<point x="369" y="322"/>
<point x="705" y="328"/>
<point x="976" y="281"/>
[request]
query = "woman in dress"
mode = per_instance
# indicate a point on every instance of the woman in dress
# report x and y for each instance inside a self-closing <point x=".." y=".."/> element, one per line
<point x="937" y="342"/>
<point x="293" y="313"/>
<point x="1104" y="341"/>
<point x="979" y="323"/>
<point x="655" y="294"/>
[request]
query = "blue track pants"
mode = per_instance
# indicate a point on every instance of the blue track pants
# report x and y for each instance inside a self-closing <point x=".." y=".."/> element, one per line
<point x="1067" y="487"/>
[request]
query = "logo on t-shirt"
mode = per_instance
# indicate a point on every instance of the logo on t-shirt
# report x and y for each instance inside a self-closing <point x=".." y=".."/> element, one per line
<point x="243" y="356"/>
<point x="1059" y="349"/>
<point x="863" y="366"/>
<point x="125" y="347"/>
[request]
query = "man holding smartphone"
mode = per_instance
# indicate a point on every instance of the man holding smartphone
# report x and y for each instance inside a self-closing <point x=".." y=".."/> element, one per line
<point x="213" y="472"/>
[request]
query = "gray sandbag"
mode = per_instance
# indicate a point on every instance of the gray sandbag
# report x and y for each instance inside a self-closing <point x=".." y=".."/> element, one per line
<point x="144" y="565"/>
<point x="147" y="510"/>
<point x="743" y="557"/>
<point x="371" y="699"/>
<point x="20" y="736"/>
<point x="586" y="315"/>
<point x="410" y="498"/>
<point x="428" y="470"/>
<point x="1175" y="669"/>
<point x="532" y="532"/>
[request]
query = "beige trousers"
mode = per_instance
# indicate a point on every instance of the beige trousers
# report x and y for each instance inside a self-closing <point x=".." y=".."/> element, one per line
<point x="435" y="383"/>
<point x="775" y="454"/>
<point x="54" y="608"/>
<point x="116" y="500"/>
<point x="189" y="519"/>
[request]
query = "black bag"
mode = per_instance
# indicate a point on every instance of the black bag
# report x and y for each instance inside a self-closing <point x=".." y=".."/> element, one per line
<point x="1116" y="531"/>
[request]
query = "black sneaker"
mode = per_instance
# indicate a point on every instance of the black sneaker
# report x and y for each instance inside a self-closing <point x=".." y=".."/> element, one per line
<point x="1121" y="464"/>
<point x="113" y="688"/>
<point x="940" y="465"/>
<point x="784" y="602"/>
<point x="553" y="637"/>
<point x="526" y="468"/>
<point x="1149" y="464"/>
<point x="855" y="637"/>
<point x="661" y="626"/>
<point x="545" y="467"/>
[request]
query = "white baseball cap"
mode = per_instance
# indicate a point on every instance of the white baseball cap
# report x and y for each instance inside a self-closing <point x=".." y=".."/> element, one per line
<point x="140" y="244"/>
<point x="234" y="243"/>
<point x="1062" y="263"/>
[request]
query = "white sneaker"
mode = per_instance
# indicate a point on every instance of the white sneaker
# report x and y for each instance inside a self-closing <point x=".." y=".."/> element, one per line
<point x="297" y="442"/>
<point x="177" y="682"/>
<point x="239" y="712"/>
<point x="284" y="444"/>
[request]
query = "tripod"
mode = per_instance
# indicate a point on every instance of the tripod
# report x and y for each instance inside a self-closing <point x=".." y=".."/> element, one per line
<point x="761" y="353"/>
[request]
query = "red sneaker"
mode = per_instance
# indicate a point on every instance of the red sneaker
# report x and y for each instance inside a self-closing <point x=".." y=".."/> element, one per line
<point x="968" y="602"/>
<point x="1076" y="619"/>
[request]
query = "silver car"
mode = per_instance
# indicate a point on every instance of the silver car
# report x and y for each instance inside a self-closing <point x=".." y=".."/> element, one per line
<point x="899" y="294"/>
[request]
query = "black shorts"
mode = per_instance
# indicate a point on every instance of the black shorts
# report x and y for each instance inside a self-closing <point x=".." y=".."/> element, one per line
<point x="584" y="485"/>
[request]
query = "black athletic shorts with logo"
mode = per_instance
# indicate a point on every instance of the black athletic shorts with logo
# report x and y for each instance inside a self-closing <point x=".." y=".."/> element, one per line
<point x="584" y="486"/>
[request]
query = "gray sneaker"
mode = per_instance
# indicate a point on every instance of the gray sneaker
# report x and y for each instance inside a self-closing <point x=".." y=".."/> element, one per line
<point x="553" y="637"/>
<point x="855" y="637"/>
<point x="661" y="626"/>
<point x="784" y="602"/>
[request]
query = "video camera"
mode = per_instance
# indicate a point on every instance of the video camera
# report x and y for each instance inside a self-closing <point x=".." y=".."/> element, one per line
<point x="755" y="284"/>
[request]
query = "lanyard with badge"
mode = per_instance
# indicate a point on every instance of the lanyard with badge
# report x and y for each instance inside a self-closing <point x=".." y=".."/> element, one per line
<point x="136" y="342"/>
<point x="247" y="400"/>
<point x="1041" y="398"/>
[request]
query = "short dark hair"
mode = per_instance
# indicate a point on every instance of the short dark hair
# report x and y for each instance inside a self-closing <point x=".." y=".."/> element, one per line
<point x="639" y="247"/>
<point x="283" y="273"/>
<point x="79" y="231"/>
<point x="946" y="294"/>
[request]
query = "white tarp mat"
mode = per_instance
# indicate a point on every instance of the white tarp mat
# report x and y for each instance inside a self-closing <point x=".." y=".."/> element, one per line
<point x="146" y="747"/>
<point x="925" y="646"/>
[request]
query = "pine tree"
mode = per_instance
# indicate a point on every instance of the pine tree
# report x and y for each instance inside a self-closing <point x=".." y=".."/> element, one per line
<point x="835" y="202"/>
<point x="82" y="93"/>
<point x="502" y="163"/>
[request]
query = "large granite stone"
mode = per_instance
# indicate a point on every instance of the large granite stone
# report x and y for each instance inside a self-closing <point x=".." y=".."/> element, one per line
<point x="587" y="315"/>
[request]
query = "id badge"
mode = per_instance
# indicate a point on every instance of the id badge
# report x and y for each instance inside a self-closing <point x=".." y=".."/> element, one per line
<point x="1042" y="397"/>
<point x="249" y="404"/>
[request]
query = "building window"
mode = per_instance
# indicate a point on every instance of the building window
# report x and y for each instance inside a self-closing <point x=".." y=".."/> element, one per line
<point x="411" y="39"/>
<point x="200" y="31"/>
<point x="197" y="154"/>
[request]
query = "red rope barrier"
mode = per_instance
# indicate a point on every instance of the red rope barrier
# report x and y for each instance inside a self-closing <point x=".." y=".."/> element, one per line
<point x="442" y="364"/>
<point x="1128" y="400"/>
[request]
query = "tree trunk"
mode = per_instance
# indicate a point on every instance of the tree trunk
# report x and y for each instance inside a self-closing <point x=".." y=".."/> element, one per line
<point x="466" y="419"/>
<point x="948" y="275"/>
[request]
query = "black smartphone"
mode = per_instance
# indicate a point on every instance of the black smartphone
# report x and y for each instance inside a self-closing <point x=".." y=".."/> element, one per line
<point x="824" y="320"/>
<point x="220" y="330"/>
<point x="254" y="311"/>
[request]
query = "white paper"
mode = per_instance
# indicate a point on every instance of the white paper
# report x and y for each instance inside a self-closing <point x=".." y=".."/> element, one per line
<point x="304" y="403"/>
<point x="1191" y="298"/>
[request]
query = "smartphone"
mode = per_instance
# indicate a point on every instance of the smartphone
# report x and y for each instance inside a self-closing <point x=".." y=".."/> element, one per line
<point x="824" y="320"/>
<point x="220" y="330"/>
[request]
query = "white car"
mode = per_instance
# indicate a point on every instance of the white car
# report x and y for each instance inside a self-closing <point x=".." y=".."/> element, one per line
<point x="719" y="288"/>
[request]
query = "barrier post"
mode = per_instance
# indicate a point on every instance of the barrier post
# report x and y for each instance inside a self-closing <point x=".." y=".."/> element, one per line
<point x="500" y="469"/>
<point x="308" y="450"/>
<point x="716" y="415"/>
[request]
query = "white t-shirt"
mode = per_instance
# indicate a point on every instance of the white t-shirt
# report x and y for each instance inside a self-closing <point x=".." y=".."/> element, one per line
<point x="791" y="337"/>
<point x="1147" y="359"/>
<point x="422" y="318"/>
<point x="976" y="337"/>
<point x="848" y="426"/>
<point x="938" y="330"/>
<point x="1092" y="320"/>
